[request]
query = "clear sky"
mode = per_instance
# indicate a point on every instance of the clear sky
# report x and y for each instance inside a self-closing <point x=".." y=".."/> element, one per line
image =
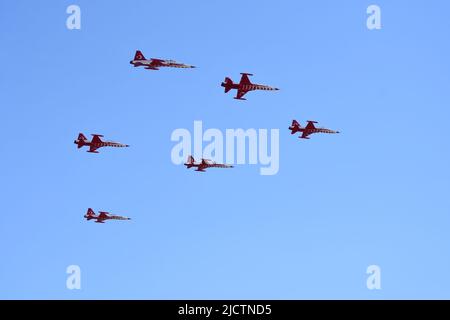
<point x="376" y="194"/>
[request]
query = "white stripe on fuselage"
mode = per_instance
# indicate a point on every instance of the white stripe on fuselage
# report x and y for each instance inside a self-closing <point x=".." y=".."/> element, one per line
<point x="147" y="62"/>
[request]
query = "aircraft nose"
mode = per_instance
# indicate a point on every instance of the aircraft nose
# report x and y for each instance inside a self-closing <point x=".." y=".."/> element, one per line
<point x="131" y="62"/>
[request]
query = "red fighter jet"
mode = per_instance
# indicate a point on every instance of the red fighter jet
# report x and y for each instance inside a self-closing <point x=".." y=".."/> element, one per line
<point x="155" y="64"/>
<point x="204" y="164"/>
<point x="309" y="129"/>
<point x="243" y="86"/>
<point x="102" y="216"/>
<point x="96" y="143"/>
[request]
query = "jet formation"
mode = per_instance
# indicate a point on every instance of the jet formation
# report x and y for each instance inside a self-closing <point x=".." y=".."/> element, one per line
<point x="155" y="64"/>
<point x="204" y="164"/>
<point x="96" y="143"/>
<point x="309" y="129"/>
<point x="243" y="86"/>
<point x="102" y="216"/>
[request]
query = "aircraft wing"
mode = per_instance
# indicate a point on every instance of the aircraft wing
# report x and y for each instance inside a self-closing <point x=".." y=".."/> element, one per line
<point x="305" y="134"/>
<point x="202" y="166"/>
<point x="245" y="79"/>
<point x="92" y="148"/>
<point x="102" y="215"/>
<point x="240" y="94"/>
<point x="156" y="63"/>
<point x="96" y="138"/>
<point x="310" y="125"/>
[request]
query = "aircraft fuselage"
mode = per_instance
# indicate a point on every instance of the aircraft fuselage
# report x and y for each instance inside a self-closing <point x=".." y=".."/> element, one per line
<point x="251" y="87"/>
<point x="100" y="144"/>
<point x="308" y="131"/>
<point x="247" y="87"/>
<point x="154" y="64"/>
<point x="138" y="63"/>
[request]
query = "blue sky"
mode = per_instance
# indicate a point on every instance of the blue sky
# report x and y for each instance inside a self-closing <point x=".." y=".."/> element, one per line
<point x="375" y="194"/>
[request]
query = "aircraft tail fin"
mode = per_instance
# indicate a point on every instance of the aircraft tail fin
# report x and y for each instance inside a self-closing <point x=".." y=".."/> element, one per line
<point x="138" y="55"/>
<point x="81" y="140"/>
<point x="227" y="83"/>
<point x="90" y="214"/>
<point x="190" y="162"/>
<point x="295" y="127"/>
